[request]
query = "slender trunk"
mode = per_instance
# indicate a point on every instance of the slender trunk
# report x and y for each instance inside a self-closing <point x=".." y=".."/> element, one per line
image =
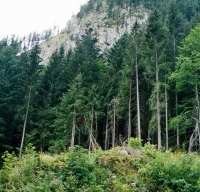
<point x="177" y="128"/>
<point x="129" y="111"/>
<point x="25" y="120"/>
<point x="113" y="131"/>
<point x="138" y="97"/>
<point x="158" y="103"/>
<point x="195" y="137"/>
<point x="106" y="134"/>
<point x="91" y="127"/>
<point x="166" y="115"/>
<point x="96" y="123"/>
<point x="73" y="129"/>
<point x="198" y="112"/>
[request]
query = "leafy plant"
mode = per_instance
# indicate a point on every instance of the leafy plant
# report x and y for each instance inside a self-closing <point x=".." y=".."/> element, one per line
<point x="177" y="172"/>
<point x="135" y="143"/>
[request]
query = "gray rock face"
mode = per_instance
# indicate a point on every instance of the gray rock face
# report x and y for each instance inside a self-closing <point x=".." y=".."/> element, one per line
<point x="106" y="30"/>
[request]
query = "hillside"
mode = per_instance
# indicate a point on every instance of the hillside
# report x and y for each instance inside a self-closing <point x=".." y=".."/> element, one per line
<point x="107" y="29"/>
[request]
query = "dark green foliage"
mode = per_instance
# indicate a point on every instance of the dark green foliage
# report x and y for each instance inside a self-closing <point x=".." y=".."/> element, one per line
<point x="115" y="63"/>
<point x="97" y="90"/>
<point x="53" y="80"/>
<point x="50" y="89"/>
<point x="85" y="9"/>
<point x="9" y="95"/>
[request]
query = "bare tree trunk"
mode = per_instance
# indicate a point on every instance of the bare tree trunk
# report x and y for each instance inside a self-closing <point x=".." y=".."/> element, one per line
<point x="166" y="115"/>
<point x="106" y="134"/>
<point x="129" y="112"/>
<point x="96" y="126"/>
<point x="138" y="97"/>
<point x="114" y="116"/>
<point x="158" y="103"/>
<point x="25" y="120"/>
<point x="177" y="128"/>
<point x="91" y="127"/>
<point x="195" y="137"/>
<point x="198" y="112"/>
<point x="73" y="129"/>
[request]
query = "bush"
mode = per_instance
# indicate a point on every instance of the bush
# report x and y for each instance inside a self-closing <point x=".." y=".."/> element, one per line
<point x="81" y="173"/>
<point x="135" y="143"/>
<point x="172" y="172"/>
<point x="100" y="171"/>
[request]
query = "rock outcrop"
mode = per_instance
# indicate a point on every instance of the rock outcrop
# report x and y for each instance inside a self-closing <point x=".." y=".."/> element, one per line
<point x="107" y="30"/>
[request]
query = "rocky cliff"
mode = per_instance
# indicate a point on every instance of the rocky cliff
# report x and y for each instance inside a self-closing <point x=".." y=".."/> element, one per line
<point x="106" y="29"/>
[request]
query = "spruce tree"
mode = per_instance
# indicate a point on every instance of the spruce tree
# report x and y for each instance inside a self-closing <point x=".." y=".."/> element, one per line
<point x="30" y="78"/>
<point x="155" y="51"/>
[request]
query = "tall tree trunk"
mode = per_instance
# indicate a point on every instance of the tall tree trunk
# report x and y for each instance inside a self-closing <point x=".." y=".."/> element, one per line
<point x="25" y="120"/>
<point x="91" y="127"/>
<point x="195" y="137"/>
<point x="138" y="97"/>
<point x="73" y="129"/>
<point x="106" y="134"/>
<point x="177" y="127"/>
<point x="96" y="126"/>
<point x="166" y="115"/>
<point x="114" y="116"/>
<point x="158" y="103"/>
<point x="198" y="113"/>
<point x="129" y="111"/>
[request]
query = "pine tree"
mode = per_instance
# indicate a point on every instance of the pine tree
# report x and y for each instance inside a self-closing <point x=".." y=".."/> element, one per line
<point x="155" y="49"/>
<point x="115" y="59"/>
<point x="30" y="78"/>
<point x="174" y="24"/>
<point x="9" y="94"/>
<point x="49" y="91"/>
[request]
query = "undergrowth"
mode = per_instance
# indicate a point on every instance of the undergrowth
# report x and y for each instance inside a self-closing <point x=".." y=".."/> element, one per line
<point x="78" y="170"/>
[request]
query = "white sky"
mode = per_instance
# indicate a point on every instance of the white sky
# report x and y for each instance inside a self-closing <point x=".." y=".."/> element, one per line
<point x="21" y="17"/>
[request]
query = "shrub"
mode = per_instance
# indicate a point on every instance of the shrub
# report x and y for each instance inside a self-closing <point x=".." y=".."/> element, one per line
<point x="172" y="172"/>
<point x="81" y="173"/>
<point x="135" y="143"/>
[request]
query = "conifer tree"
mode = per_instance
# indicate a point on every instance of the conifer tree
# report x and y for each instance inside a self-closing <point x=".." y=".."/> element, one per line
<point x="155" y="49"/>
<point x="115" y="59"/>
<point x="130" y="79"/>
<point x="49" y="91"/>
<point x="30" y="77"/>
<point x="9" y="94"/>
<point x="174" y="24"/>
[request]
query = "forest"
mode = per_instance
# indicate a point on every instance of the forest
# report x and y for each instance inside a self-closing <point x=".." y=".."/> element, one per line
<point x="122" y="120"/>
<point x="146" y="86"/>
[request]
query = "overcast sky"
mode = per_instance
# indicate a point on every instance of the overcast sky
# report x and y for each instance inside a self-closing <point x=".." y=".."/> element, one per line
<point x="22" y="17"/>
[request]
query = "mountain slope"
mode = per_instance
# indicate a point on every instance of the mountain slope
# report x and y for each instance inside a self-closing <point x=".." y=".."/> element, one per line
<point x="106" y="29"/>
